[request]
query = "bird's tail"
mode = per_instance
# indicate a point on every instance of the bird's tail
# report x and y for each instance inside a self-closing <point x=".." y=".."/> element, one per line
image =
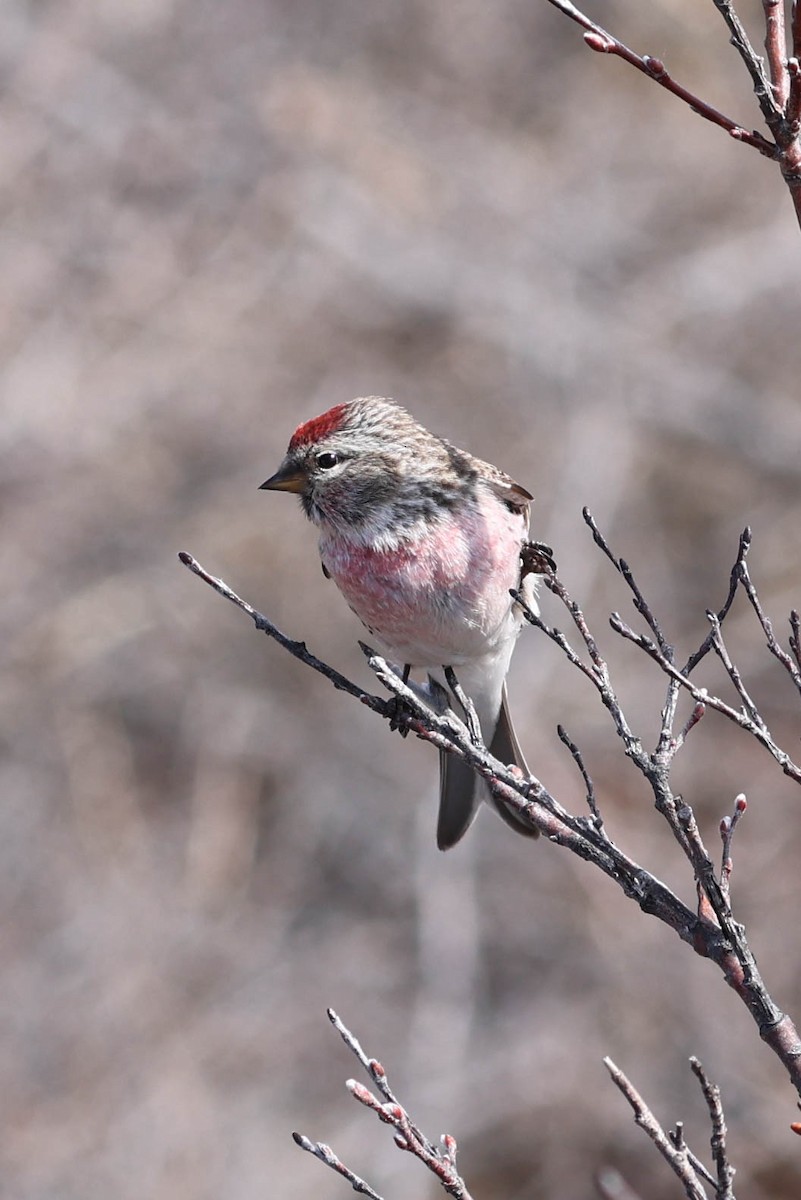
<point x="462" y="790"/>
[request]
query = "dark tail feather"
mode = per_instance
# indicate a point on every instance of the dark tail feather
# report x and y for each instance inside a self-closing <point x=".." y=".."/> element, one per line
<point x="461" y="790"/>
<point x="460" y="793"/>
<point x="506" y="747"/>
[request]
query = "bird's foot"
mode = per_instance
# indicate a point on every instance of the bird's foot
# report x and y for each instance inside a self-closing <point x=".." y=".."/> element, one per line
<point x="399" y="710"/>
<point x="537" y="559"/>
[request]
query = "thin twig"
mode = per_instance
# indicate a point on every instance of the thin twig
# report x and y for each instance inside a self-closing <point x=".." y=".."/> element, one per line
<point x="771" y="111"/>
<point x="776" y="47"/>
<point x="677" y="1158"/>
<point x="326" y="1155"/>
<point x="599" y="538"/>
<point x="296" y="649"/>
<point x="576" y="754"/>
<point x="793" y="668"/>
<point x="734" y="582"/>
<point x="440" y="1160"/>
<point x="597" y="673"/>
<point x="678" y="1141"/>
<point x="719" y="646"/>
<point x="597" y="38"/>
<point x="741" y="719"/>
<point x="699" y="708"/>
<point x="727" y="828"/>
<point x="725" y="1171"/>
<point x="795" y="636"/>
<point x="644" y="609"/>
<point x="793" y="108"/>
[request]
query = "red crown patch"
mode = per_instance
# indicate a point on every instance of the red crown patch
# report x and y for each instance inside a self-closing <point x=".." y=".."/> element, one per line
<point x="318" y="427"/>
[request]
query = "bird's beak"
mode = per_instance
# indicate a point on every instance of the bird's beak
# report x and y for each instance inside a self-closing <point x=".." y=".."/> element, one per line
<point x="288" y="478"/>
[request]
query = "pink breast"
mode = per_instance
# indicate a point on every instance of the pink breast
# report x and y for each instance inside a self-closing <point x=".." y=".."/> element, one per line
<point x="446" y="591"/>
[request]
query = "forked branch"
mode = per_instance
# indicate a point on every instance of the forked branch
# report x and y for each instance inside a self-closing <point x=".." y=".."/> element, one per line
<point x="778" y="91"/>
<point x="713" y="930"/>
<point x="440" y="1160"/>
<point x="672" y="1145"/>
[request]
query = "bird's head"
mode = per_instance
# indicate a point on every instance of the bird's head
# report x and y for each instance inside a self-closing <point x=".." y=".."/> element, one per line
<point x="364" y="467"/>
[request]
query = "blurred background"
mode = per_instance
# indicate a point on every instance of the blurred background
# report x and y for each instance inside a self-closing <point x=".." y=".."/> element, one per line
<point x="217" y="220"/>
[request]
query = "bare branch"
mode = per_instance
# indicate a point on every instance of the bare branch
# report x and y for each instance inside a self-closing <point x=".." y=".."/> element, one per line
<point x="700" y="694"/>
<point x="695" y="716"/>
<point x="794" y="99"/>
<point x="597" y="38"/>
<point x="793" y="668"/>
<point x="795" y="636"/>
<point x="727" y="828"/>
<point x="712" y="932"/>
<point x="776" y="47"/>
<point x="441" y="1160"/>
<point x="599" y="538"/>
<point x="296" y="649"/>
<point x="719" y="646"/>
<point x="326" y="1155"/>
<point x="725" y="1171"/>
<point x="779" y="96"/>
<point x="678" y="1158"/>
<point x="771" y="111"/>
<point x="793" y="109"/>
<point x="598" y="673"/>
<point x="677" y="1139"/>
<point x="592" y="803"/>
<point x="644" y="609"/>
<point x="734" y="582"/>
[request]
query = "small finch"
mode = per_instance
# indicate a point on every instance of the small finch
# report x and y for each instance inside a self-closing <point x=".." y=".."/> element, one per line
<point x="424" y="541"/>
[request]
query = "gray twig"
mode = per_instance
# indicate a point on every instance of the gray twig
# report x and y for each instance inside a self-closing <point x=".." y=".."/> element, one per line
<point x="738" y="717"/>
<point x="440" y="1160"/>
<point x="771" y="110"/>
<point x="578" y="758"/>
<point x="791" y="666"/>
<point x="724" y="1169"/>
<point x="326" y="1155"/>
<point x="749" y="707"/>
<point x="677" y="1156"/>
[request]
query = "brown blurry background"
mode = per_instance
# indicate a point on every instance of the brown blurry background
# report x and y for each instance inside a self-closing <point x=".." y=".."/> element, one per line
<point x="216" y="220"/>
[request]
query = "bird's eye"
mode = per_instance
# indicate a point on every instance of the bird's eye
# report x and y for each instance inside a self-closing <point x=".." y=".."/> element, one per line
<point x="327" y="460"/>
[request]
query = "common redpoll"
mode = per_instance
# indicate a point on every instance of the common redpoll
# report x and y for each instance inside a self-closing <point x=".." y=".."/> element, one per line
<point x="424" y="541"/>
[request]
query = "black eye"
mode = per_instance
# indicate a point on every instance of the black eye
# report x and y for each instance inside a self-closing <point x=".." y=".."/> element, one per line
<point x="327" y="460"/>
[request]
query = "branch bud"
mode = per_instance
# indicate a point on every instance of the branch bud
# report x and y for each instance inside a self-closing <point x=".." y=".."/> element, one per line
<point x="656" y="68"/>
<point x="449" y="1146"/>
<point x="599" y="43"/>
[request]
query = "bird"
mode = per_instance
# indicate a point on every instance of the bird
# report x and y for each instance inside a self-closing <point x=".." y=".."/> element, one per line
<point x="424" y="541"/>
